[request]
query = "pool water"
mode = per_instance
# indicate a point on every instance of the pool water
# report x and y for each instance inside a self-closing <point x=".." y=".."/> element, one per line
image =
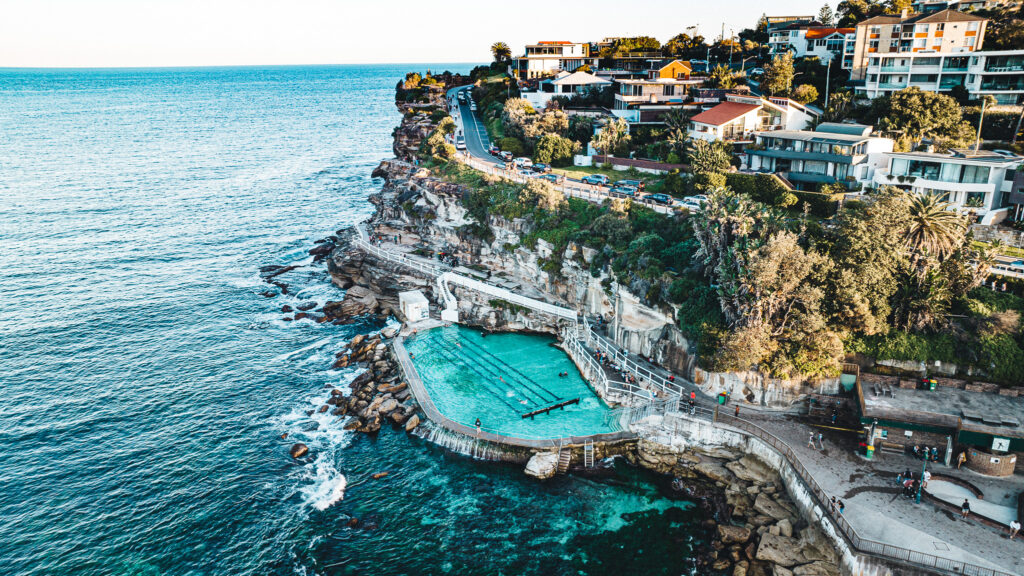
<point x="499" y="377"/>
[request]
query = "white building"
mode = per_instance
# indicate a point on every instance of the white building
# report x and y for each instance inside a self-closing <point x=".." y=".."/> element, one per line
<point x="739" y="117"/>
<point x="565" y="84"/>
<point x="823" y="42"/>
<point x="981" y="182"/>
<point x="551" y="57"/>
<point x="997" y="73"/>
<point x="831" y="153"/>
<point x="413" y="305"/>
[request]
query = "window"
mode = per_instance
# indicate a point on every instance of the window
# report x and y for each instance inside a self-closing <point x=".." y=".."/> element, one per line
<point x="815" y="167"/>
<point x="819" y="43"/>
<point x="974" y="175"/>
<point x="894" y="44"/>
<point x="940" y="26"/>
<point x="969" y="41"/>
<point x="875" y="30"/>
<point x="670" y="91"/>
<point x="920" y="43"/>
<point x="873" y="45"/>
<point x="972" y="26"/>
<point x="921" y="29"/>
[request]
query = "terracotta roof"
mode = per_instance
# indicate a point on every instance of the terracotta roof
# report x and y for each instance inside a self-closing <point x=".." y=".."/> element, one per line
<point x="947" y="15"/>
<point x="813" y="33"/>
<point x="724" y="112"/>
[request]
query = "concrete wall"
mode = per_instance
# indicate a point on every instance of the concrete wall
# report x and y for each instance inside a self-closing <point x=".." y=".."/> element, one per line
<point x="853" y="563"/>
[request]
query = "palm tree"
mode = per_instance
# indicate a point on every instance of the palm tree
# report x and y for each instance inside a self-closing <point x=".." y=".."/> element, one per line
<point x="501" y="52"/>
<point x="934" y="228"/>
<point x="676" y="125"/>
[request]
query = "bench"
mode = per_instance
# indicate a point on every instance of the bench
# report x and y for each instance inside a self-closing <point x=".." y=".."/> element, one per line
<point x="894" y="447"/>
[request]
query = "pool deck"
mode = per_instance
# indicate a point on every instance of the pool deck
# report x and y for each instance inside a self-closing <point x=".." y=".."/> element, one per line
<point x="419" y="391"/>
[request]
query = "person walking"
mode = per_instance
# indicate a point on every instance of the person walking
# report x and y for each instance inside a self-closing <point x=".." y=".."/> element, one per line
<point x="925" y="478"/>
<point x="961" y="459"/>
<point x="833" y="503"/>
<point x="821" y="441"/>
<point x="810" y="441"/>
<point x="965" y="509"/>
<point x="737" y="410"/>
<point x="1014" y="528"/>
<point x="841" y="506"/>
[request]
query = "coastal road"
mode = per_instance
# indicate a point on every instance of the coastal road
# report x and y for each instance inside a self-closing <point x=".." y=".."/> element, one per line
<point x="470" y="126"/>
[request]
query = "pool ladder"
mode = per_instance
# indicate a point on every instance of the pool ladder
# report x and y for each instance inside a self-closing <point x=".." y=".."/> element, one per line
<point x="588" y="454"/>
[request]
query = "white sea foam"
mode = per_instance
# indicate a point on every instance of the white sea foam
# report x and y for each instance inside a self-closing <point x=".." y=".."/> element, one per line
<point x="313" y="346"/>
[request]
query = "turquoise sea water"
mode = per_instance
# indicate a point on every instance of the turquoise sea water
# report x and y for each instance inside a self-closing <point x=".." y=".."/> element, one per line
<point x="145" y="381"/>
<point x="500" y="377"/>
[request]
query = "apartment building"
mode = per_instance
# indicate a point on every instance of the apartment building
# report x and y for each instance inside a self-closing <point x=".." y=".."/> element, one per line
<point x="739" y="117"/>
<point x="980" y="182"/>
<point x="831" y="153"/>
<point x="999" y="73"/>
<point x="550" y="57"/>
<point x="823" y="42"/>
<point x="945" y="31"/>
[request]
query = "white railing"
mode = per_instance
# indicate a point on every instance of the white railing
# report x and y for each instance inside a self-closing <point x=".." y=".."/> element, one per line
<point x="428" y="268"/>
<point x="509" y="296"/>
<point x="621" y="358"/>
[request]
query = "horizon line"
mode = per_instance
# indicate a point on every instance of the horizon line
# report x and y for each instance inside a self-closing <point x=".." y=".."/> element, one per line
<point x="179" y="66"/>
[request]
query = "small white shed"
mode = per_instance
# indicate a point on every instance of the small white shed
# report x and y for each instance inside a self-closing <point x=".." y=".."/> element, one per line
<point x="413" y="305"/>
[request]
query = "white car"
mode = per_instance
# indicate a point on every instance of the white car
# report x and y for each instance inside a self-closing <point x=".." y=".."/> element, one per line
<point x="524" y="162"/>
<point x="460" y="143"/>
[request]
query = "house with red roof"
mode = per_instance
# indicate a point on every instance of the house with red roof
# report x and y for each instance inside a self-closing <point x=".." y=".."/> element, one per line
<point x="739" y="117"/>
<point x="813" y="40"/>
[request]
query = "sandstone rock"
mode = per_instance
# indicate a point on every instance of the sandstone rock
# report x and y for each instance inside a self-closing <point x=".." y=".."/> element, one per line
<point x="299" y="450"/>
<point x="714" y="470"/>
<point x="780" y="550"/>
<point x="733" y="534"/>
<point x="816" y="569"/>
<point x="324" y="408"/>
<point x="412" y="423"/>
<point x="785" y="527"/>
<point x="542" y="465"/>
<point x="388" y="406"/>
<point x="769" y="507"/>
<point x="751" y="469"/>
<point x="740" y="569"/>
<point x="780" y="571"/>
<point x="353" y="424"/>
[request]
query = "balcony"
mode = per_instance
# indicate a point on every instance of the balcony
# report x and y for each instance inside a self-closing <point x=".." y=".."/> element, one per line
<point x="895" y="68"/>
<point x="892" y="85"/>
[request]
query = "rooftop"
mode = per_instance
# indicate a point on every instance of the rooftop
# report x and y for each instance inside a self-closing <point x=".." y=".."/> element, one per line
<point x="577" y="78"/>
<point x="967" y="155"/>
<point x="724" y="112"/>
<point x="948" y="408"/>
<point x="925" y="18"/>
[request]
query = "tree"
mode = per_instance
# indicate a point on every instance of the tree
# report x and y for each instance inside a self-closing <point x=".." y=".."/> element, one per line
<point x="554" y="149"/>
<point x="913" y="114"/>
<point x="501" y="52"/>
<point x="778" y="75"/>
<point x="825" y="15"/>
<point x="722" y="77"/>
<point x="612" y="137"/>
<point x="897" y="6"/>
<point x="934" y="228"/>
<point x="840" y="105"/>
<point x="805" y="94"/>
<point x="544" y="195"/>
<point x="852" y="11"/>
<point x="677" y="123"/>
<point x="707" y="157"/>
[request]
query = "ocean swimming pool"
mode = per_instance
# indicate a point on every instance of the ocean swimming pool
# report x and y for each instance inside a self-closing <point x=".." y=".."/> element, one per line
<point x="500" y="377"/>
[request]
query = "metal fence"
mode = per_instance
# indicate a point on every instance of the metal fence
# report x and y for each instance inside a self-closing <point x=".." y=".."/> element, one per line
<point x="641" y="373"/>
<point x="864" y="545"/>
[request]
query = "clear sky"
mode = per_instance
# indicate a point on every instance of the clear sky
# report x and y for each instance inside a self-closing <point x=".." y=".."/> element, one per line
<point x="39" y="33"/>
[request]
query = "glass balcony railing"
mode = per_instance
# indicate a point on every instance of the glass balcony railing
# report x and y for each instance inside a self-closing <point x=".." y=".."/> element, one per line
<point x="895" y="68"/>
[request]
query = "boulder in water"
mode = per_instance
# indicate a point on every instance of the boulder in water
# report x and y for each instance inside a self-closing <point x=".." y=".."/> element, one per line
<point x="306" y="306"/>
<point x="299" y="450"/>
<point x="412" y="423"/>
<point x="286" y="309"/>
<point x="542" y="465"/>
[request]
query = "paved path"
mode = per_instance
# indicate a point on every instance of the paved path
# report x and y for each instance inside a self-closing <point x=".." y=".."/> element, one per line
<point x="877" y="511"/>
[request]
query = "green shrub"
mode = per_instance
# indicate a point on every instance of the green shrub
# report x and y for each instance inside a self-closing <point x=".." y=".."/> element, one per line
<point x="513" y="145"/>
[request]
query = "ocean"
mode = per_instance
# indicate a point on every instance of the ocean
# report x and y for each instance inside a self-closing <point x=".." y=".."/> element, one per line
<point x="146" y="381"/>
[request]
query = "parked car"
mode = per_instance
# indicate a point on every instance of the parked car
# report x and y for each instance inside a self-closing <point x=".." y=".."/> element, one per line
<point x="755" y="72"/>
<point x="638" y="184"/>
<point x="493" y="150"/>
<point x="692" y="203"/>
<point x="527" y="173"/>
<point x="623" y="192"/>
<point x="506" y="156"/>
<point x="663" y="199"/>
<point x="596" y="180"/>
<point x="472" y="106"/>
<point x="523" y="162"/>
<point x="462" y="97"/>
<point x="460" y="143"/>
<point x="553" y="178"/>
<point x="541" y="168"/>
